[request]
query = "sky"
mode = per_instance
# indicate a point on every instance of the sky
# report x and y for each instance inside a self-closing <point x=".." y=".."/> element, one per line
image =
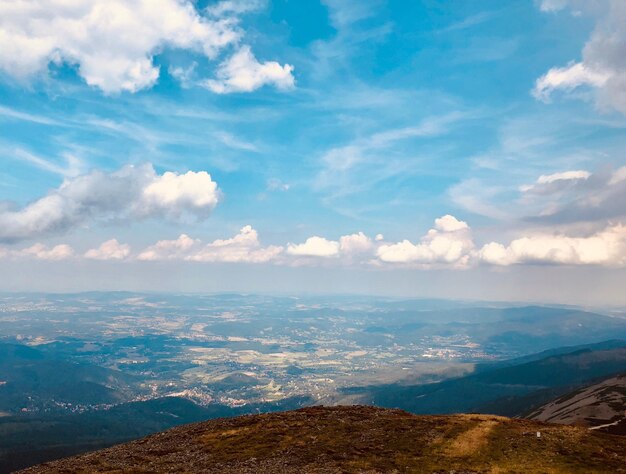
<point x="423" y="148"/>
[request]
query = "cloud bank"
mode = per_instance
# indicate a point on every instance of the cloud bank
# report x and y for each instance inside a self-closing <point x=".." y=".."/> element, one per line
<point x="607" y="248"/>
<point x="449" y="244"/>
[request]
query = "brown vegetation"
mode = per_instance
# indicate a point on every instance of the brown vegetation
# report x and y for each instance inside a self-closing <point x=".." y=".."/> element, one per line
<point x="358" y="439"/>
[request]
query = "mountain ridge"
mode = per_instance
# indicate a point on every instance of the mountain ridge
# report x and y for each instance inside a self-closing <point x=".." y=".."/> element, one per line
<point x="364" y="439"/>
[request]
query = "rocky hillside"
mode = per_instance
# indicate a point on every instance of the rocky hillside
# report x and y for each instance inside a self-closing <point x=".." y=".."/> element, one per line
<point x="359" y="439"/>
<point x="601" y="406"/>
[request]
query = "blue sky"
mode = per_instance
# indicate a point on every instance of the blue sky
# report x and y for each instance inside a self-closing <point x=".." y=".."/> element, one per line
<point x="386" y="142"/>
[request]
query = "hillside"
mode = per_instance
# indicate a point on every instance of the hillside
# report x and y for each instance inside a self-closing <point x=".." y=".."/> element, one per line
<point x="509" y="390"/>
<point x="358" y="439"/>
<point x="32" y="381"/>
<point x="601" y="406"/>
<point x="25" y="441"/>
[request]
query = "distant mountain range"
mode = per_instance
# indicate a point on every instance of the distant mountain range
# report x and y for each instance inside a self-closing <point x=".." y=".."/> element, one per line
<point x="358" y="439"/>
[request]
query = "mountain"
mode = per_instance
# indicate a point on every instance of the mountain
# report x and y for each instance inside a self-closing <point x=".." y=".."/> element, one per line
<point x="521" y="330"/>
<point x="601" y="406"/>
<point x="508" y="390"/>
<point x="359" y="439"/>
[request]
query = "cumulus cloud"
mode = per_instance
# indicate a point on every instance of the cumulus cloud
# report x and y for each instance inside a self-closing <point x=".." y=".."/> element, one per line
<point x="450" y="223"/>
<point x="112" y="43"/>
<point x="109" y="250"/>
<point x="174" y="194"/>
<point x="244" y="247"/>
<point x="169" y="249"/>
<point x="449" y="242"/>
<point x="603" y="65"/>
<point x="242" y="72"/>
<point x="354" y="244"/>
<point x="133" y="191"/>
<point x="607" y="247"/>
<point x="315" y="247"/>
<point x="352" y="248"/>
<point x="43" y="252"/>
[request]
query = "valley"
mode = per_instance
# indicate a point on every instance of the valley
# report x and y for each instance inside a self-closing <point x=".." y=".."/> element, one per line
<point x="85" y="371"/>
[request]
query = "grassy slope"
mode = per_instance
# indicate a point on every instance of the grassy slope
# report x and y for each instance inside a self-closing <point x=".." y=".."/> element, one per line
<point x="359" y="439"/>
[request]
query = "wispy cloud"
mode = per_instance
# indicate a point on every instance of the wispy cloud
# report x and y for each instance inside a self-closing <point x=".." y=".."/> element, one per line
<point x="73" y="165"/>
<point x="10" y="113"/>
<point x="342" y="167"/>
<point x="469" y="22"/>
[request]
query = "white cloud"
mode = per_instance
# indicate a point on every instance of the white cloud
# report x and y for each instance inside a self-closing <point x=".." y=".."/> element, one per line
<point x="559" y="178"/>
<point x="133" y="191"/>
<point x="112" y="42"/>
<point x="242" y="72"/>
<point x="607" y="247"/>
<point x="603" y="65"/>
<point x="448" y="245"/>
<point x="350" y="248"/>
<point x="109" y="250"/>
<point x="315" y="247"/>
<point x="450" y="242"/>
<point x="564" y="176"/>
<point x="358" y="243"/>
<point x="243" y="247"/>
<point x="567" y="79"/>
<point x="42" y="252"/>
<point x="169" y="249"/>
<point x="174" y="194"/>
<point x="450" y="223"/>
